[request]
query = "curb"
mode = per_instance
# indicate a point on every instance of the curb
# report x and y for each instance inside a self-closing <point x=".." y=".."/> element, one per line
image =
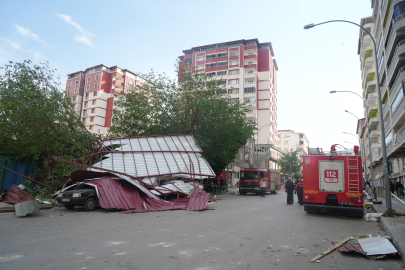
<point x="399" y="246"/>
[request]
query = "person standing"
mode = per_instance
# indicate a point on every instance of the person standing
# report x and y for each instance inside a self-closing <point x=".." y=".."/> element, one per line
<point x="396" y="187"/>
<point x="400" y="192"/>
<point x="300" y="191"/>
<point x="289" y="188"/>
<point x="369" y="191"/>
<point x="263" y="186"/>
<point x="392" y="187"/>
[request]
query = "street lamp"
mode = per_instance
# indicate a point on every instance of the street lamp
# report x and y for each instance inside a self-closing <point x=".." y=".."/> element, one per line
<point x="349" y="142"/>
<point x="383" y="145"/>
<point x="370" y="170"/>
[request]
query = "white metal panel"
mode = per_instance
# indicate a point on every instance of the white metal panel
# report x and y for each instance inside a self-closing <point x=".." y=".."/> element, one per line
<point x="153" y="143"/>
<point x="331" y="175"/>
<point x="163" y="145"/>
<point x="144" y="144"/>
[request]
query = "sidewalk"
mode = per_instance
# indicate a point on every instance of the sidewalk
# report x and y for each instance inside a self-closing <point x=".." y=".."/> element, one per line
<point x="394" y="226"/>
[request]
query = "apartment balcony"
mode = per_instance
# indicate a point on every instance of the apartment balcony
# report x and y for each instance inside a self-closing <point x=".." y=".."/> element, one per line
<point x="386" y="107"/>
<point x="250" y="57"/>
<point x="370" y="88"/>
<point x="369" y="80"/>
<point x="394" y="35"/>
<point x="390" y="147"/>
<point x="398" y="114"/>
<point x="373" y="122"/>
<point x="372" y="110"/>
<point x="397" y="83"/>
<point x="368" y="66"/>
<point x="250" y="75"/>
<point x="251" y="66"/>
<point x="251" y="116"/>
<point x="399" y="138"/>
<point x="375" y="136"/>
<point x="367" y="48"/>
<point x="371" y="99"/>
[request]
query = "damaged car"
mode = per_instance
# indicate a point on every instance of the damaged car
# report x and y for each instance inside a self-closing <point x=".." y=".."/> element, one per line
<point x="81" y="195"/>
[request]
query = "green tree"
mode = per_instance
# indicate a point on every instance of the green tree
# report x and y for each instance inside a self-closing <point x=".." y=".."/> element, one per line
<point x="36" y="120"/>
<point x="195" y="104"/>
<point x="289" y="163"/>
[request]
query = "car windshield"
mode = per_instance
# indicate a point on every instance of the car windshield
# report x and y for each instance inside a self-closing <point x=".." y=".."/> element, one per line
<point x="83" y="186"/>
<point x="249" y="175"/>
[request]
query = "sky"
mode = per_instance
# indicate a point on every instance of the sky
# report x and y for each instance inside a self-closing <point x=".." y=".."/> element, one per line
<point x="145" y="35"/>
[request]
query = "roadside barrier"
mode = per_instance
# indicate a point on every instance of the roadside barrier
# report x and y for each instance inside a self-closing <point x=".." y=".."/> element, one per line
<point x="397" y="198"/>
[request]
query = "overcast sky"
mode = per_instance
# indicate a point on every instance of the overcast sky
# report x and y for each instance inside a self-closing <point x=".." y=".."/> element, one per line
<point x="144" y="35"/>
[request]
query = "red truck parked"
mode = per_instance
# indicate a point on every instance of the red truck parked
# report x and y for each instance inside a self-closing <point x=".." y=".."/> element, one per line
<point x="250" y="180"/>
<point x="333" y="180"/>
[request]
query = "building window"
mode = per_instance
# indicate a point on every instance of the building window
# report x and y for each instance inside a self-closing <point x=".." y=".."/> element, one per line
<point x="95" y="85"/>
<point x="250" y="82"/>
<point x="85" y="113"/>
<point x="221" y="73"/>
<point x="68" y="92"/>
<point x="250" y="100"/>
<point x="233" y="91"/>
<point x="234" y="72"/>
<point x="95" y="94"/>
<point x="301" y="136"/>
<point x="200" y="58"/>
<point x="76" y="91"/>
<point x="233" y="63"/>
<point x="235" y="81"/>
<point x="84" y="120"/>
<point x="97" y="77"/>
<point x="93" y="110"/>
<point x="222" y="64"/>
<point x="88" y="88"/>
<point x="250" y="63"/>
<point x="233" y="100"/>
<point x="301" y="143"/>
<point x="210" y="74"/>
<point x="91" y="127"/>
<point x="94" y="102"/>
<point x="211" y="65"/>
<point x="220" y="55"/>
<point x="222" y="82"/>
<point x="211" y="56"/>
<point x="92" y="119"/>
<point x="250" y="53"/>
<point x="250" y="72"/>
<point x="85" y="104"/>
<point x="250" y="90"/>
<point x="234" y="53"/>
<point x="87" y="96"/>
<point x="69" y="84"/>
<point x="388" y="138"/>
<point x="250" y="111"/>
<point x="199" y="67"/>
<point x="77" y="83"/>
<point x="88" y="79"/>
<point x="188" y="61"/>
<point x="397" y="100"/>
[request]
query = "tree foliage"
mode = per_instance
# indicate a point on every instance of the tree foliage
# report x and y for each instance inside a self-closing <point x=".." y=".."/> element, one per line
<point x="36" y="120"/>
<point x="289" y="163"/>
<point x="195" y="104"/>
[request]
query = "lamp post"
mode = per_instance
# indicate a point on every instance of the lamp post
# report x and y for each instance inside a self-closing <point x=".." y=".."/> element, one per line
<point x="370" y="170"/>
<point x="256" y="147"/>
<point x="383" y="145"/>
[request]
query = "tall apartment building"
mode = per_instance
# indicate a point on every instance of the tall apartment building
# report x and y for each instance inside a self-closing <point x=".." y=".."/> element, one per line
<point x="248" y="70"/>
<point x="95" y="92"/>
<point x="387" y="25"/>
<point x="290" y="140"/>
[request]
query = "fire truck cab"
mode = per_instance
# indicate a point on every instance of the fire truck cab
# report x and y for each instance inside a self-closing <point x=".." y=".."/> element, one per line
<point x="333" y="180"/>
<point x="250" y="180"/>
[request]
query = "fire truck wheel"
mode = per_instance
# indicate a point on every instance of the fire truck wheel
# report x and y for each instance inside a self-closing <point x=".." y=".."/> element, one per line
<point x="242" y="193"/>
<point x="273" y="192"/>
<point x="311" y="209"/>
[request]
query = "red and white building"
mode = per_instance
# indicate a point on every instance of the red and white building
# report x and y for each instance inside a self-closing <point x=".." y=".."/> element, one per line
<point x="95" y="92"/>
<point x="248" y="70"/>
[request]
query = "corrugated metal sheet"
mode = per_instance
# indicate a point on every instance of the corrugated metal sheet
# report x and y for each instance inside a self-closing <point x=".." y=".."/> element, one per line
<point x="198" y="200"/>
<point x="16" y="195"/>
<point x="141" y="157"/>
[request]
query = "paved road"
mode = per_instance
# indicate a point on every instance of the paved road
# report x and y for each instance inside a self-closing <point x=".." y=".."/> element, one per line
<point x="244" y="232"/>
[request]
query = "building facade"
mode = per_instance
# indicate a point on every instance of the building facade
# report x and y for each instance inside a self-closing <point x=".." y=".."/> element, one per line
<point x="248" y="70"/>
<point x="386" y="25"/>
<point x="95" y="92"/>
<point x="288" y="140"/>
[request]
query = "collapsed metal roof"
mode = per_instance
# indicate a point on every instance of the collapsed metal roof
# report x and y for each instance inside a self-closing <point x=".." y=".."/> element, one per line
<point x="176" y="155"/>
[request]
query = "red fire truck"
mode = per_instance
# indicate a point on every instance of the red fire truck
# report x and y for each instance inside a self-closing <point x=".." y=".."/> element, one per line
<point x="250" y="180"/>
<point x="333" y="180"/>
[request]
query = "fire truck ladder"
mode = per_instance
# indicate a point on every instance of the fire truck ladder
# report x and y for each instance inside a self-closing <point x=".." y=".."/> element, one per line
<point x="353" y="172"/>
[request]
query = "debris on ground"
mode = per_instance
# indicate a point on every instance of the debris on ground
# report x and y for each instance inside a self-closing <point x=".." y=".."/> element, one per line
<point x="377" y="246"/>
<point x="329" y="250"/>
<point x="151" y="173"/>
<point x="23" y="202"/>
<point x="356" y="248"/>
<point x="25" y="208"/>
<point x="372" y="216"/>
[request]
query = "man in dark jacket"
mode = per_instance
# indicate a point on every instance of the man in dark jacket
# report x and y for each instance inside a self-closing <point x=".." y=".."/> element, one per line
<point x="289" y="188"/>
<point x="300" y="191"/>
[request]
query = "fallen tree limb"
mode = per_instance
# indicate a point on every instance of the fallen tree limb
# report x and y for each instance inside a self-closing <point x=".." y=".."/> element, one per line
<point x="329" y="250"/>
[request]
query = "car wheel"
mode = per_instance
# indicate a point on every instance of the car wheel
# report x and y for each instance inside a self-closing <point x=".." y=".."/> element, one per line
<point x="90" y="204"/>
<point x="69" y="206"/>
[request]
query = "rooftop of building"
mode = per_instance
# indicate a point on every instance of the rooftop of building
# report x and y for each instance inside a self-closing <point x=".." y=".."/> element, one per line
<point x="112" y="67"/>
<point x="232" y="43"/>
